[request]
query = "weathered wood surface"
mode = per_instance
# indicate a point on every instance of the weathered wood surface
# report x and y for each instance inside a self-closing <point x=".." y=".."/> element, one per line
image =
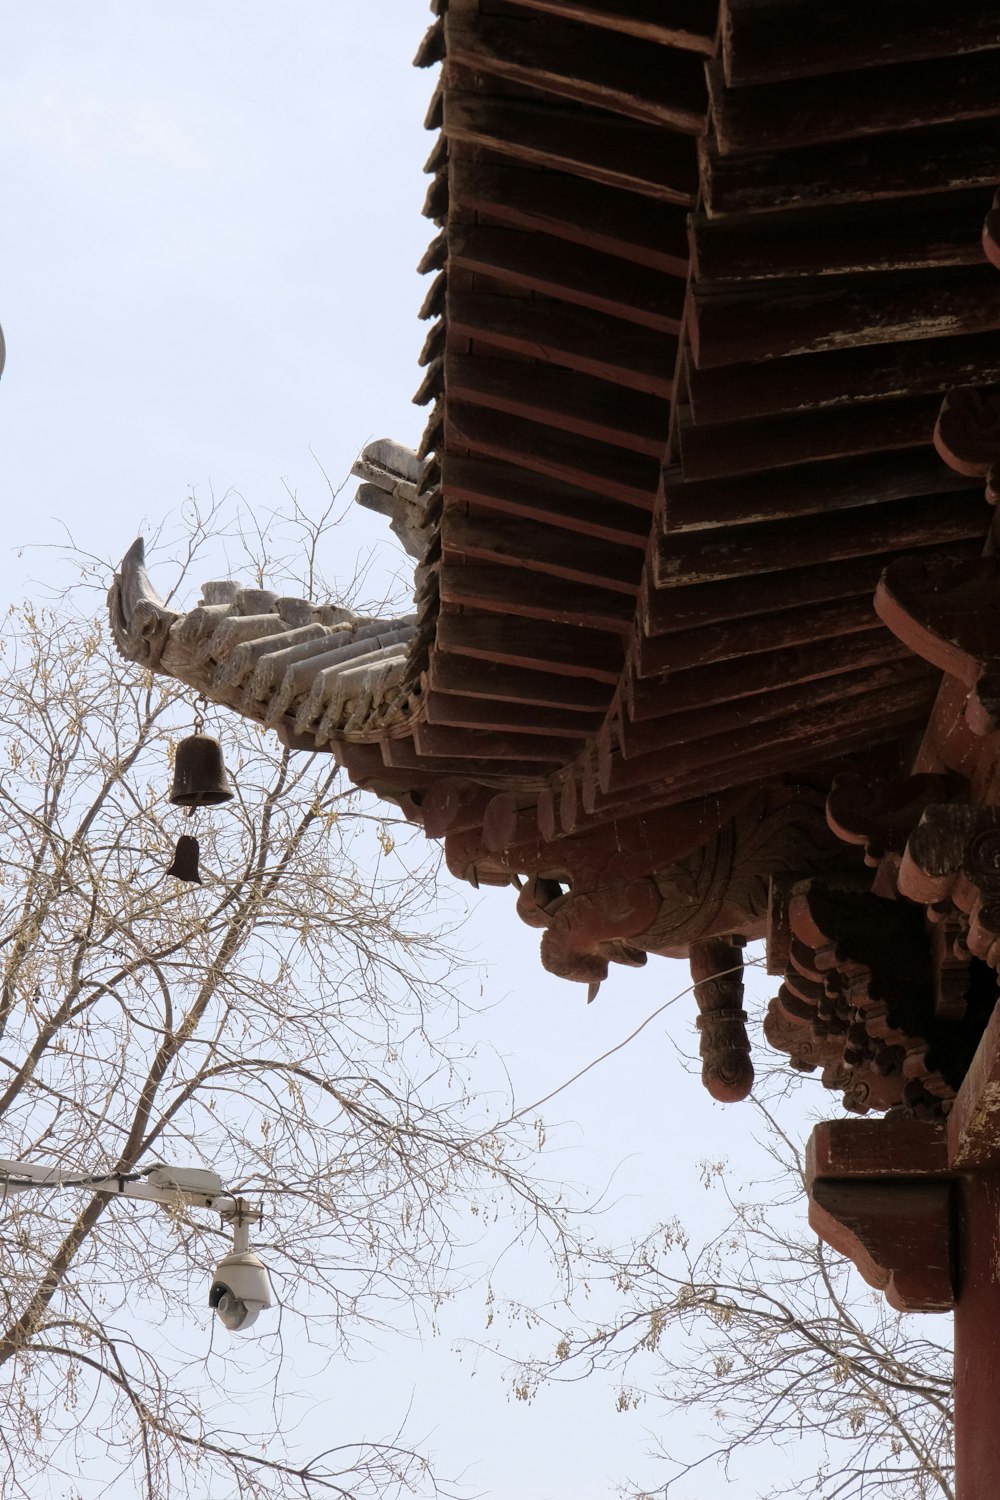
<point x="709" y="555"/>
<point x="511" y="490"/>
<point x="830" y="313"/>
<point x="787" y="441"/>
<point x="616" y="222"/>
<point x="572" y="403"/>
<point x="897" y="1234"/>
<point x="582" y="462"/>
<point x="529" y="595"/>
<point x="806" y="110"/>
<point x="795" y="39"/>
<point x="716" y="684"/>
<point x="841" y="377"/>
<point x="563" y="649"/>
<point x="572" y="337"/>
<point x="688" y="24"/>
<point x="873" y="1149"/>
<point x="815" y="490"/>
<point x="475" y="677"/>
<point x="613" y="72"/>
<point x="539" y="548"/>
<point x="573" y="274"/>
<point x="587" y="143"/>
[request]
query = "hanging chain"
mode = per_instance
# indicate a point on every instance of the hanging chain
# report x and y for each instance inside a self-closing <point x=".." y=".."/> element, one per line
<point x="200" y="709"/>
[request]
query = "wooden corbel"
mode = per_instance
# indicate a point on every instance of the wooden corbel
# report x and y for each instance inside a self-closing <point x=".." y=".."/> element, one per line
<point x="880" y="1192"/>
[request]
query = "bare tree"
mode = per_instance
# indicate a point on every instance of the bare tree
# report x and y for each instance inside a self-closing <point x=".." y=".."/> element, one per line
<point x="763" y="1338"/>
<point x="292" y="1023"/>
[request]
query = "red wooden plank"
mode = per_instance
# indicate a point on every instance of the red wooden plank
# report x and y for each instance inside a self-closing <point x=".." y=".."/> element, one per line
<point x="898" y="1235"/>
<point x="536" y="596"/>
<point x="560" y="649"/>
<point x="739" y="392"/>
<point x="618" y="73"/>
<point x="797" y="38"/>
<point x="770" y="323"/>
<point x="666" y="611"/>
<point x="724" y="683"/>
<point x="443" y="742"/>
<point x="674" y="23"/>
<point x="478" y="678"/>
<point x="934" y="229"/>
<point x="861" y="700"/>
<point x="887" y="166"/>
<point x="619" y="223"/>
<point x="570" y="402"/>
<point x="847" y="484"/>
<point x="574" y="337"/>
<point x="513" y="718"/>
<point x="724" y="449"/>
<point x="876" y="1149"/>
<point x="610" y="472"/>
<point x="593" y="144"/>
<point x="882" y="667"/>
<point x="511" y="491"/>
<point x="540" y="549"/>
<point x="570" y="273"/>
<point x="420" y="770"/>
<point x="763" y="548"/>
<point x="807" y="110"/>
<point x="779" y="758"/>
<point x="973" y="1139"/>
<point x="745" y="637"/>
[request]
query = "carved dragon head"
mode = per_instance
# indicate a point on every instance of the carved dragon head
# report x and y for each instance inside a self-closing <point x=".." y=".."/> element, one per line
<point x="140" y="621"/>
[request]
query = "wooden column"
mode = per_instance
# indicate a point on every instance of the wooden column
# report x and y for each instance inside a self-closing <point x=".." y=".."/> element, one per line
<point x="917" y="1208"/>
<point x="977" y="1339"/>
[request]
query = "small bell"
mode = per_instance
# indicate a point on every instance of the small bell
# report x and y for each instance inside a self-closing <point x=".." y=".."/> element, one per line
<point x="200" y="778"/>
<point x="185" y="865"/>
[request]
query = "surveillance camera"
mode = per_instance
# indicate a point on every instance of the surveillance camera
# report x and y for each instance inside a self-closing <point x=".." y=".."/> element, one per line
<point x="241" y="1290"/>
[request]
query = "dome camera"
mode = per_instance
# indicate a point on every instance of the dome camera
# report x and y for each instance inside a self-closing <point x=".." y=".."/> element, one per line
<point x="241" y="1290"/>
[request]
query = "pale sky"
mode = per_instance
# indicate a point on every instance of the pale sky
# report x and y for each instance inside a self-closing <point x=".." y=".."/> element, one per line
<point x="212" y="220"/>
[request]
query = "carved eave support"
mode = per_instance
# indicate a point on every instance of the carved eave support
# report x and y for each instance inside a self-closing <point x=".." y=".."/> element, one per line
<point x="879" y="815"/>
<point x="859" y="1000"/>
<point x="954" y="857"/>
<point x="880" y="1192"/>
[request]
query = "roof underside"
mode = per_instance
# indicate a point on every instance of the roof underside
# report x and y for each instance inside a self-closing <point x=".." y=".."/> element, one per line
<point x="697" y="293"/>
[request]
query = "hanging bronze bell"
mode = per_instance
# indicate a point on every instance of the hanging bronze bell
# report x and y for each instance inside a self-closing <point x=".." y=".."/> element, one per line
<point x="185" y="865"/>
<point x="200" y="778"/>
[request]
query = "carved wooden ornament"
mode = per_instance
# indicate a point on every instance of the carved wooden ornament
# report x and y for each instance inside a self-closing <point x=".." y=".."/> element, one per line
<point x="947" y="610"/>
<point x="967" y="434"/>
<point x="880" y="814"/>
<point x="954" y="855"/>
<point x="717" y="971"/>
